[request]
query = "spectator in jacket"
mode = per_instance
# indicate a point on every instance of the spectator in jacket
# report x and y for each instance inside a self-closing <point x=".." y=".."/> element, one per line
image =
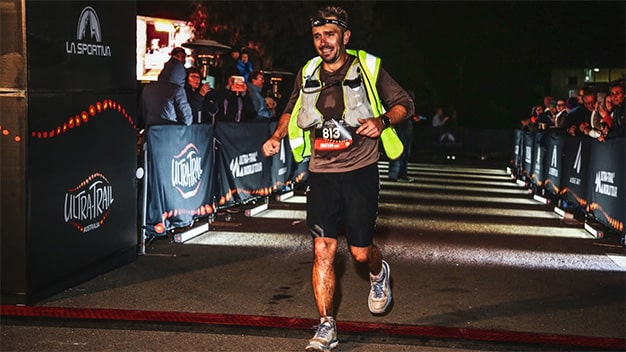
<point x="255" y="87"/>
<point x="616" y="127"/>
<point x="165" y="101"/>
<point x="244" y="66"/>
<point x="196" y="94"/>
<point x="233" y="102"/>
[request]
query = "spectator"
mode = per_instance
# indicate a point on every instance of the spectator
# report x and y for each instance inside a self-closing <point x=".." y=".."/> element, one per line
<point x="616" y="126"/>
<point x="545" y="120"/>
<point x="561" y="113"/>
<point x="398" y="168"/>
<point x="255" y="55"/>
<point x="255" y="87"/>
<point x="196" y="95"/>
<point x="546" y="102"/>
<point x="244" y="66"/>
<point x="271" y="104"/>
<point x="589" y="103"/>
<point x="232" y="102"/>
<point x="441" y="127"/>
<point x="599" y="127"/>
<point x="581" y="93"/>
<point x="577" y="114"/>
<point x="179" y="54"/>
<point x="165" y="101"/>
<point x="573" y="108"/>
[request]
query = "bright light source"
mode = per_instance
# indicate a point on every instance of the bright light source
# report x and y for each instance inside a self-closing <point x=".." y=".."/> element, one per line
<point x="596" y="70"/>
<point x="164" y="27"/>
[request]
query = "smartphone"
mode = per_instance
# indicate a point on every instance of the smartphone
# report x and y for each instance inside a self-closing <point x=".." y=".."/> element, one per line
<point x="239" y="84"/>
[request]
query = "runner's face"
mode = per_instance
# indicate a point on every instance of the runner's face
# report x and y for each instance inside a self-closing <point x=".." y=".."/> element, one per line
<point x="329" y="42"/>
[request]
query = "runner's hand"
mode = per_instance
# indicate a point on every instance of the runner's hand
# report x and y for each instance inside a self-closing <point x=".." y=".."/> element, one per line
<point x="271" y="147"/>
<point x="371" y="127"/>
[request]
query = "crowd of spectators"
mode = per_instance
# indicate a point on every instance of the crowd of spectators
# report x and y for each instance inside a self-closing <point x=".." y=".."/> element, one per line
<point x="237" y="92"/>
<point x="593" y="113"/>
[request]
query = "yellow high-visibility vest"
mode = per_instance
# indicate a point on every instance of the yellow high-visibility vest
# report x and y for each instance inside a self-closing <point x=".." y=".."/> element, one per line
<point x="370" y="65"/>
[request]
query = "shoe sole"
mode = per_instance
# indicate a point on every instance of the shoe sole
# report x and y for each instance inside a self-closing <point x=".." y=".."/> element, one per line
<point x="388" y="282"/>
<point x="319" y="348"/>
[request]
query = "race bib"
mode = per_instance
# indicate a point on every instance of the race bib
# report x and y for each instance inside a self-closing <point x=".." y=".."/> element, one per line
<point x="333" y="135"/>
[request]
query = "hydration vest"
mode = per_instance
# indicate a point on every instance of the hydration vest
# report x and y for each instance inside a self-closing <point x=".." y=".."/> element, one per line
<point x="361" y="76"/>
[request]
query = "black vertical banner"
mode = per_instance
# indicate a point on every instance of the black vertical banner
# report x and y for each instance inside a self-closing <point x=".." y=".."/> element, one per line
<point x="516" y="155"/>
<point x="527" y="154"/>
<point x="537" y="175"/>
<point x="82" y="157"/>
<point x="607" y="183"/>
<point x="179" y="174"/>
<point x="575" y="164"/>
<point x="555" y="145"/>
<point x="243" y="173"/>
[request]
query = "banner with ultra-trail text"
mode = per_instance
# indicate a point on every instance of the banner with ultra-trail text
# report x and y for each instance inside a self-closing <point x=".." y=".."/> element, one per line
<point x="179" y="165"/>
<point x="607" y="183"/>
<point x="81" y="160"/>
<point x="243" y="173"/>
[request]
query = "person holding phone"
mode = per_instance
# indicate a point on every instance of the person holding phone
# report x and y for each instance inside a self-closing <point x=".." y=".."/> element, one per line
<point x="232" y="102"/>
<point x="197" y="91"/>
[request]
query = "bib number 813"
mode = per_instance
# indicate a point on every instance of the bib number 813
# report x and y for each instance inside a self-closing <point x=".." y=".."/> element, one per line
<point x="330" y="133"/>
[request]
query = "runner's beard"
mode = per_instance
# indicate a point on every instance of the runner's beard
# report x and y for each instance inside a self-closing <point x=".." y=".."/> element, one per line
<point x="334" y="58"/>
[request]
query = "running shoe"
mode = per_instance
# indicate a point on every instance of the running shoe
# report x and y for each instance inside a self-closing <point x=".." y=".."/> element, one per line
<point x="325" y="338"/>
<point x="380" y="293"/>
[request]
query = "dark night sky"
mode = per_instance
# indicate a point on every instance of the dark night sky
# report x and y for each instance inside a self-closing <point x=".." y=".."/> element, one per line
<point x="486" y="58"/>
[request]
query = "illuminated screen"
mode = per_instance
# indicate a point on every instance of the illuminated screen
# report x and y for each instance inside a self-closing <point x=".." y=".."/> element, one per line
<point x="156" y="37"/>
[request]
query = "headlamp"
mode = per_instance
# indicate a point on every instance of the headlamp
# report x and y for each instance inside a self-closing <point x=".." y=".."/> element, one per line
<point x="317" y="21"/>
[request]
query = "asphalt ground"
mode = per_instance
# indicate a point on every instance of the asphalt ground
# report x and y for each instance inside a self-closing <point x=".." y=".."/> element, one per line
<point x="476" y="264"/>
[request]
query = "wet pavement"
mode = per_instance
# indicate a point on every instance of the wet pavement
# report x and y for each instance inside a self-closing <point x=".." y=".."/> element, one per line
<point x="476" y="264"/>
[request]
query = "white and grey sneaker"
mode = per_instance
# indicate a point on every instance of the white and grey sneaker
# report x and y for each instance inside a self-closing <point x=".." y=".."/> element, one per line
<point x="325" y="338"/>
<point x="380" y="292"/>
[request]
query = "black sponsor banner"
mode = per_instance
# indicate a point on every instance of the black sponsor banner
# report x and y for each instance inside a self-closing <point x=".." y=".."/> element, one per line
<point x="553" y="159"/>
<point x="180" y="183"/>
<point x="81" y="179"/>
<point x="607" y="183"/>
<point x="537" y="176"/>
<point x="81" y="45"/>
<point x="517" y="149"/>
<point x="527" y="153"/>
<point x="574" y="167"/>
<point x="282" y="172"/>
<point x="243" y="173"/>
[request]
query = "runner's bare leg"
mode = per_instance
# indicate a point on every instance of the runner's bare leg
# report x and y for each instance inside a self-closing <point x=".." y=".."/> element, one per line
<point x="323" y="279"/>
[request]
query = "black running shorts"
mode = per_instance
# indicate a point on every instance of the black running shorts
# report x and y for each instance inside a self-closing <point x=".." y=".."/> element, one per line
<point x="349" y="199"/>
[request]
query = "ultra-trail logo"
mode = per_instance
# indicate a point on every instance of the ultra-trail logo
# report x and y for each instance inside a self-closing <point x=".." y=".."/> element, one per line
<point x="187" y="171"/>
<point x="246" y="164"/>
<point x="88" y="36"/>
<point x="87" y="205"/>
<point x="605" y="183"/>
